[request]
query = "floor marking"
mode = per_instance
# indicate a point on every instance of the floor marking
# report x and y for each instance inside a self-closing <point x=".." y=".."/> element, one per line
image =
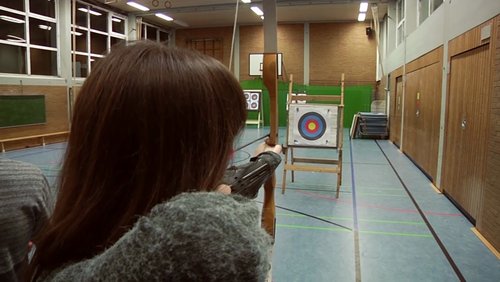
<point x="357" y="256"/>
<point x="399" y="210"/>
<point x="315" y="217"/>
<point x="397" y="234"/>
<point x="294" y="226"/>
<point x="381" y="194"/>
<point x="364" y="220"/>
<point x="433" y="232"/>
<point x="375" y="188"/>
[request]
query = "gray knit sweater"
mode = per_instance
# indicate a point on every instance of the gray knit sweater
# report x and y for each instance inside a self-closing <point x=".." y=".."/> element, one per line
<point x="196" y="236"/>
<point x="25" y="204"/>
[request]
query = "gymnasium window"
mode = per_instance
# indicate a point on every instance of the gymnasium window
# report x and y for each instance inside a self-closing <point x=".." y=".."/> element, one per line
<point x="426" y="8"/>
<point x="154" y="33"/>
<point x="423" y="10"/>
<point x="436" y="4"/>
<point x="28" y="37"/>
<point x="95" y="32"/>
<point x="400" y="15"/>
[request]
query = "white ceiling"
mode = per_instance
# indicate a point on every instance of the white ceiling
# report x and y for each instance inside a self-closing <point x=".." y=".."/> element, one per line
<point x="210" y="13"/>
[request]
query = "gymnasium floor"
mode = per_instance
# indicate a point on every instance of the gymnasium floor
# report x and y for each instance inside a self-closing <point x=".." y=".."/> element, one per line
<point x="387" y="225"/>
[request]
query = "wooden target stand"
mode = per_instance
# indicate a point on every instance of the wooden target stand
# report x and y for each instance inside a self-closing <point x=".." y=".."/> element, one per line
<point x="254" y="108"/>
<point x="322" y="165"/>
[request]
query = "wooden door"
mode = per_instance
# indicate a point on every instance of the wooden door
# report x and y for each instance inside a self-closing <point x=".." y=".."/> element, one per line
<point x="467" y="128"/>
<point x="397" y="112"/>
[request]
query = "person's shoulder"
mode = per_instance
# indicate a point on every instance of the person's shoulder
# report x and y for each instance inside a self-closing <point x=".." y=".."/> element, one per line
<point x="21" y="175"/>
<point x="201" y="206"/>
<point x="9" y="165"/>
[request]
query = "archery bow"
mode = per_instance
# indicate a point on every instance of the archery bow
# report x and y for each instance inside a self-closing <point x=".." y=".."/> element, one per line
<point x="270" y="81"/>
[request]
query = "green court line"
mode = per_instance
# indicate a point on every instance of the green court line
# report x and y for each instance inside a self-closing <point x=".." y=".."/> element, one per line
<point x="398" y="234"/>
<point x="292" y="226"/>
<point x="375" y="188"/>
<point x="366" y="220"/>
<point x="299" y="185"/>
<point x="381" y="194"/>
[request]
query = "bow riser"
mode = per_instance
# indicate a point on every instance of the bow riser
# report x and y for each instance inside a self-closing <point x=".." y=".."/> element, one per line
<point x="270" y="74"/>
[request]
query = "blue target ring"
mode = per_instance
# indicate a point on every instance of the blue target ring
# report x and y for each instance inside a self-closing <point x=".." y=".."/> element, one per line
<point x="312" y="126"/>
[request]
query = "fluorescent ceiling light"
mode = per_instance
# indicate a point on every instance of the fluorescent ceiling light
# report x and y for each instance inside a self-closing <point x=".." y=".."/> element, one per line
<point x="361" y="17"/>
<point x="262" y="17"/>
<point x="14" y="38"/>
<point x="116" y="20"/>
<point x="257" y="10"/>
<point x="46" y="27"/>
<point x="181" y="23"/>
<point x="246" y="1"/>
<point x="165" y="17"/>
<point x="76" y="33"/>
<point x="90" y="11"/>
<point x="11" y="19"/>
<point x="138" y="6"/>
<point x="363" y="7"/>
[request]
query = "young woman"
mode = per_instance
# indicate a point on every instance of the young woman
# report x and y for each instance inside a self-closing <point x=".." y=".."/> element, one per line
<point x="151" y="123"/>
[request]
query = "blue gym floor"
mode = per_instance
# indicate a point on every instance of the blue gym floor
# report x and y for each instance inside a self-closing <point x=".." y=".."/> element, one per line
<point x="387" y="225"/>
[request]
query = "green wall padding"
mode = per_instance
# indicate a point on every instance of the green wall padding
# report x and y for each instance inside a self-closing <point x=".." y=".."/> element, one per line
<point x="18" y="110"/>
<point x="356" y="98"/>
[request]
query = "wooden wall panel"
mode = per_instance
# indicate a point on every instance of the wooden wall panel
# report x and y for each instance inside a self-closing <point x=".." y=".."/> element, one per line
<point x="56" y="106"/>
<point x="465" y="146"/>
<point x="422" y="110"/>
<point x="489" y="220"/>
<point x="337" y="48"/>
<point x="469" y="40"/>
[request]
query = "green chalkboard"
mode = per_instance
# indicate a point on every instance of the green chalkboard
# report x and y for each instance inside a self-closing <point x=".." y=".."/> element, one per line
<point x="19" y="110"/>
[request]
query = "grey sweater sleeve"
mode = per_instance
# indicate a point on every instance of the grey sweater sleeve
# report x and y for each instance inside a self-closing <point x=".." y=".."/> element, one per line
<point x="193" y="237"/>
<point x="25" y="205"/>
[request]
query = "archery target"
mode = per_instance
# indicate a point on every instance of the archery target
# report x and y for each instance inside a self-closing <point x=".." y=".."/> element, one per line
<point x="253" y="99"/>
<point x="312" y="125"/>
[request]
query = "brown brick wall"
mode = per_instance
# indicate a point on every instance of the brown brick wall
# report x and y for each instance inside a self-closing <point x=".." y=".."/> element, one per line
<point x="251" y="41"/>
<point x="337" y="48"/>
<point x="334" y="48"/>
<point x="290" y="43"/>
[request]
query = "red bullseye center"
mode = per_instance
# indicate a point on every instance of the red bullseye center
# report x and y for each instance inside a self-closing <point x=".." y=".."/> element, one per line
<point x="312" y="126"/>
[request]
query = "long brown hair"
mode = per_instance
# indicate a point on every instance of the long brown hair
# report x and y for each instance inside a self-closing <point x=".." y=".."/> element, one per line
<point x="150" y="122"/>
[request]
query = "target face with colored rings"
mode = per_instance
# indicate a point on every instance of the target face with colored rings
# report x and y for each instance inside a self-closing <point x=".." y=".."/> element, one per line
<point x="311" y="126"/>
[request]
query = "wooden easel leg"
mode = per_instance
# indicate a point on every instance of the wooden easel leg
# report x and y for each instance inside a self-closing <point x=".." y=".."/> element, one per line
<point x="340" y="166"/>
<point x="338" y="183"/>
<point x="283" y="180"/>
<point x="293" y="174"/>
